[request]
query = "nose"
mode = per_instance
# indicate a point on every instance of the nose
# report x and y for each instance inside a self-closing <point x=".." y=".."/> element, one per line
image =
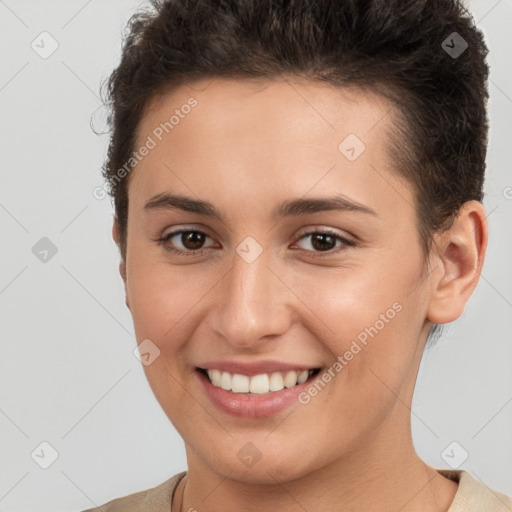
<point x="253" y="305"/>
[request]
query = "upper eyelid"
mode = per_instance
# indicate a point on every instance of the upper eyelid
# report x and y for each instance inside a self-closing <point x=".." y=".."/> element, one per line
<point x="173" y="233"/>
<point x="320" y="229"/>
<point x="307" y="232"/>
<point x="179" y="231"/>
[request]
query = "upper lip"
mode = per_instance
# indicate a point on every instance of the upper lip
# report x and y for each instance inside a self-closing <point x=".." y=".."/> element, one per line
<point x="254" y="368"/>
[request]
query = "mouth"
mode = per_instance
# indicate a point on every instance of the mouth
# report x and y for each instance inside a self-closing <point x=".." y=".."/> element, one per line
<point x="254" y="389"/>
<point x="260" y="384"/>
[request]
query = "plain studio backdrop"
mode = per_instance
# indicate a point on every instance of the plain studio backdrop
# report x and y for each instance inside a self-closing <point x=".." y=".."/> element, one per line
<point x="70" y="385"/>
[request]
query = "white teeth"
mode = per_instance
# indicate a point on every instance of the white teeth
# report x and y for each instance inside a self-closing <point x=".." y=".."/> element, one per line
<point x="290" y="379"/>
<point x="214" y="377"/>
<point x="257" y="384"/>
<point x="225" y="381"/>
<point x="276" y="382"/>
<point x="240" y="383"/>
<point x="302" y="377"/>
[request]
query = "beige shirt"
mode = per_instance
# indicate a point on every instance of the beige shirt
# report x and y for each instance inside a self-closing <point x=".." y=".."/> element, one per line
<point x="472" y="496"/>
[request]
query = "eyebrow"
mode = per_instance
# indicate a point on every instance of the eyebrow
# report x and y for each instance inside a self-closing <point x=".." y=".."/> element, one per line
<point x="291" y="208"/>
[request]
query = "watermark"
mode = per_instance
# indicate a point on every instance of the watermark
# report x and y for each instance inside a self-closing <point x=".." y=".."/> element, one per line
<point x="454" y="45"/>
<point x="44" y="45"/>
<point x="249" y="249"/>
<point x="507" y="192"/>
<point x="351" y="147"/>
<point x="44" y="250"/>
<point x="455" y="455"/>
<point x="249" y="455"/>
<point x="146" y="352"/>
<point x="342" y="360"/>
<point x="150" y="143"/>
<point x="44" y="455"/>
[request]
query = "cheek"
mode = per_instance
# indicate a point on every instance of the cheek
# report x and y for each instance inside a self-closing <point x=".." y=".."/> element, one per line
<point x="165" y="303"/>
<point x="359" y="297"/>
<point x="162" y="297"/>
<point x="373" y="347"/>
<point x="369" y="317"/>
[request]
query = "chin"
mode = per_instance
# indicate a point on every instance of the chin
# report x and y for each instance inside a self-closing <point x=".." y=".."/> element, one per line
<point x="264" y="472"/>
<point x="251" y="465"/>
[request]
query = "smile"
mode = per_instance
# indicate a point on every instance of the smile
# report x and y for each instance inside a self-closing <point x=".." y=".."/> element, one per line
<point x="257" y="395"/>
<point x="258" y="384"/>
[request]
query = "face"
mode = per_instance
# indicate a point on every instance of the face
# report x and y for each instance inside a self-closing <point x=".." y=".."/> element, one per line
<point x="292" y="253"/>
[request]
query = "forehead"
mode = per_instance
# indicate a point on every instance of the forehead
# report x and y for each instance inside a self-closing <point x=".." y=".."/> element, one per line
<point x="264" y="137"/>
<point x="298" y="110"/>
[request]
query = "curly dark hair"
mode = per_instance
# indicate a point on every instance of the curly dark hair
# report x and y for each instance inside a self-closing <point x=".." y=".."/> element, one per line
<point x="426" y="57"/>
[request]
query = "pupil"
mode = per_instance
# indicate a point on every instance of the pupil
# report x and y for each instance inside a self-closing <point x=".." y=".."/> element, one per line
<point x="192" y="240"/>
<point x="324" y="240"/>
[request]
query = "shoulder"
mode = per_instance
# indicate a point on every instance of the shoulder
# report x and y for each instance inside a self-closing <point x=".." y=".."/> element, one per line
<point x="156" y="499"/>
<point x="474" y="496"/>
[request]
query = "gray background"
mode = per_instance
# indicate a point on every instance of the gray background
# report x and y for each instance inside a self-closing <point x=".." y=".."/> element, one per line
<point x="67" y="369"/>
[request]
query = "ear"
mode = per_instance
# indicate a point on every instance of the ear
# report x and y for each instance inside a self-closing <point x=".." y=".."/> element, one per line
<point x="116" y="235"/>
<point x="457" y="256"/>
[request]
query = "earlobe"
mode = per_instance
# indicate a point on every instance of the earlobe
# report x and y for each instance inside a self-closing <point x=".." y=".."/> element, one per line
<point x="122" y="270"/>
<point x="457" y="261"/>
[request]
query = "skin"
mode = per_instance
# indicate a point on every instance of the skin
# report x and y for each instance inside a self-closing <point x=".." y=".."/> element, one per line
<point x="246" y="147"/>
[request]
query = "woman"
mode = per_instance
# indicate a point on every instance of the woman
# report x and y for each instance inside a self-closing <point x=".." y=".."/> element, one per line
<point x="298" y="192"/>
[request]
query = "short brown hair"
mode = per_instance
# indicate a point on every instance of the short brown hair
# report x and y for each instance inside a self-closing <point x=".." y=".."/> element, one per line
<point x="397" y="48"/>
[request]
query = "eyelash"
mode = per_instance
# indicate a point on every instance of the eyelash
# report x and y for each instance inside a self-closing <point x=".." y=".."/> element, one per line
<point x="315" y="254"/>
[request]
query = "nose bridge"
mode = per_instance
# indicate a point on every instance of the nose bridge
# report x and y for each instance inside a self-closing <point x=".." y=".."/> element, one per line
<point x="253" y="303"/>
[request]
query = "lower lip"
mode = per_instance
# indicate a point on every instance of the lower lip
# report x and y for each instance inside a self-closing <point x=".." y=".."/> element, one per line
<point x="252" y="406"/>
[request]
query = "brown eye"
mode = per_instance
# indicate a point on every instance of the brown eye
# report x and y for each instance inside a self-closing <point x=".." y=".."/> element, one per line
<point x="192" y="239"/>
<point x="324" y="242"/>
<point x="184" y="241"/>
